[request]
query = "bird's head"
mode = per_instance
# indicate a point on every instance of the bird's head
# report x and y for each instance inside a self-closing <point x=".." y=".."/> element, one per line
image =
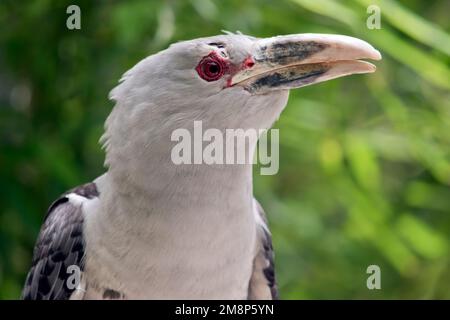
<point x="235" y="74"/>
<point x="227" y="81"/>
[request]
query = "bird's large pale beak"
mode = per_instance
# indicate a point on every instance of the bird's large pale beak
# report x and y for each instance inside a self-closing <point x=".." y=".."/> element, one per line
<point x="294" y="61"/>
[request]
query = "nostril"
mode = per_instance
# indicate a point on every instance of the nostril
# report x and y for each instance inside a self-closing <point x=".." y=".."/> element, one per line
<point x="249" y="62"/>
<point x="213" y="68"/>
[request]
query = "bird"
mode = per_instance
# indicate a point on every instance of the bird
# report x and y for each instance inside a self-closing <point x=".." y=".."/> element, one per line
<point x="148" y="228"/>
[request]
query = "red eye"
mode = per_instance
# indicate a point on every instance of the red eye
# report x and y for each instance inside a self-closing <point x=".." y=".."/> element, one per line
<point x="211" y="68"/>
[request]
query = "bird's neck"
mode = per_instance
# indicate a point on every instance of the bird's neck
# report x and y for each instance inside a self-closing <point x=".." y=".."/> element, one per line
<point x="148" y="181"/>
<point x="147" y="193"/>
<point x="145" y="166"/>
<point x="171" y="188"/>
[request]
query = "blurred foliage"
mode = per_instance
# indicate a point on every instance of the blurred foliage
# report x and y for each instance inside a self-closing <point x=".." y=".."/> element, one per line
<point x="365" y="160"/>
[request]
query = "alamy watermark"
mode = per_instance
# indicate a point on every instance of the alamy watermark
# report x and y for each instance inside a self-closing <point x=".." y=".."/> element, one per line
<point x="374" y="19"/>
<point x="230" y="146"/>
<point x="374" y="280"/>
<point x="73" y="21"/>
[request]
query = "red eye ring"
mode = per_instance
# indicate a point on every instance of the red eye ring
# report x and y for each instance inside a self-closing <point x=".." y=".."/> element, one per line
<point x="211" y="68"/>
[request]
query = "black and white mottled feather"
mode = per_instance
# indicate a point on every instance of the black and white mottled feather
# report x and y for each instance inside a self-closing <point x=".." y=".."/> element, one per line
<point x="262" y="282"/>
<point x="60" y="244"/>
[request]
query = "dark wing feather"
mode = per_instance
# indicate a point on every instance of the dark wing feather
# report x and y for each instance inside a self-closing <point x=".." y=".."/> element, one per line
<point x="263" y="283"/>
<point x="60" y="244"/>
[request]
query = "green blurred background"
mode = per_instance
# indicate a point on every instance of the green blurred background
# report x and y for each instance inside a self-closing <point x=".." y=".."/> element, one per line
<point x="364" y="161"/>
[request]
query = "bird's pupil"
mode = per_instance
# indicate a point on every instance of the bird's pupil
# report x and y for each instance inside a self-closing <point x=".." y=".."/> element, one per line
<point x="213" y="68"/>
